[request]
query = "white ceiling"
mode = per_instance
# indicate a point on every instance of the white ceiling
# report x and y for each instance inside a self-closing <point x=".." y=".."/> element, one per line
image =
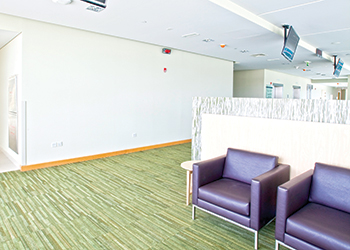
<point x="256" y="28"/>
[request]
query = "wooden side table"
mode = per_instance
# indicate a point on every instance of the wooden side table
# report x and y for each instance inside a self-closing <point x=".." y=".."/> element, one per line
<point x="188" y="165"/>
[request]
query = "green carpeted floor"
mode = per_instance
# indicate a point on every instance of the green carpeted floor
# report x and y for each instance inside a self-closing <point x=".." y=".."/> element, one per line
<point x="133" y="201"/>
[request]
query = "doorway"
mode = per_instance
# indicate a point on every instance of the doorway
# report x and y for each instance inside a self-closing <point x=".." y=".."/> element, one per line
<point x="277" y="91"/>
<point x="296" y="92"/>
<point x="309" y="88"/>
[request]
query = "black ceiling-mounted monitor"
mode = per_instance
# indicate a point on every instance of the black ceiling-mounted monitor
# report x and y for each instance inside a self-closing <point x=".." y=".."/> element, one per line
<point x="290" y="44"/>
<point x="99" y="3"/>
<point x="338" y="67"/>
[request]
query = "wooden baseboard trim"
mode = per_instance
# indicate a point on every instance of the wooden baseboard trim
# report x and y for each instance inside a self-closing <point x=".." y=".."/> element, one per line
<point x="98" y="156"/>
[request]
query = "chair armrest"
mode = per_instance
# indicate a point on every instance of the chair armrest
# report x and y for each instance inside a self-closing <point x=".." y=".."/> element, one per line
<point x="264" y="193"/>
<point x="205" y="172"/>
<point x="291" y="196"/>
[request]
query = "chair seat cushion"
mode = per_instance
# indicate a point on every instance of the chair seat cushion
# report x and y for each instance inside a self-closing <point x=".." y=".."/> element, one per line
<point x="322" y="226"/>
<point x="227" y="193"/>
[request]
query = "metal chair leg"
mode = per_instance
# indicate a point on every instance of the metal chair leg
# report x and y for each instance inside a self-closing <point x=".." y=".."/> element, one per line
<point x="256" y="240"/>
<point x="277" y="246"/>
<point x="193" y="212"/>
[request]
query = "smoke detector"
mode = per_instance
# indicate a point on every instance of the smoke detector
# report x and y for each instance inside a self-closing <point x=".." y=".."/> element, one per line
<point x="64" y="2"/>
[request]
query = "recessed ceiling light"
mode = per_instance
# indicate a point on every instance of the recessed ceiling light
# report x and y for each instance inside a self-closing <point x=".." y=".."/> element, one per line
<point x="335" y="43"/>
<point x="272" y="59"/>
<point x="62" y="1"/>
<point x="258" y="55"/>
<point x="191" y="34"/>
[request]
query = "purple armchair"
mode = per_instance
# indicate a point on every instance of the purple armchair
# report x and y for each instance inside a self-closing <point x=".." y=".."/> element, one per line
<point x="240" y="187"/>
<point x="313" y="210"/>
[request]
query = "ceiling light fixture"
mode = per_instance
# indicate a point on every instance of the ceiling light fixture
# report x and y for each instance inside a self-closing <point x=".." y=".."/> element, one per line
<point x="272" y="59"/>
<point x="190" y="35"/>
<point x="258" y="55"/>
<point x="64" y="2"/>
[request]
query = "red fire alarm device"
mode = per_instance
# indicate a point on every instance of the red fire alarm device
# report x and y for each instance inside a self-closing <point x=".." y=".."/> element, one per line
<point x="165" y="70"/>
<point x="166" y="51"/>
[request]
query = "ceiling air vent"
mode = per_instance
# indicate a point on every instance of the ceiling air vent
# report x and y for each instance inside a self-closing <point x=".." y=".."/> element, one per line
<point x="96" y="5"/>
<point x="208" y="40"/>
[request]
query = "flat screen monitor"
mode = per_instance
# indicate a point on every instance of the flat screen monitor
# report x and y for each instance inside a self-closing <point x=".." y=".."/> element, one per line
<point x="100" y="3"/>
<point x="290" y="44"/>
<point x="338" y="68"/>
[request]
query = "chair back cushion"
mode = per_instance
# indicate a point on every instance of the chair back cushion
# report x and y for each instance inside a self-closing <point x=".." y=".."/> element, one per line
<point x="244" y="165"/>
<point x="330" y="186"/>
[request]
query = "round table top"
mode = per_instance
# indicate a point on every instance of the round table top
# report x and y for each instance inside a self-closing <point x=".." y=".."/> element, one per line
<point x="188" y="165"/>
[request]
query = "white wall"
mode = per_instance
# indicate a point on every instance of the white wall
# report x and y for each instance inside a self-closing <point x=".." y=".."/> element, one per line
<point x="94" y="91"/>
<point x="288" y="81"/>
<point x="10" y="65"/>
<point x="249" y="83"/>
<point x="347" y="92"/>
<point x="297" y="143"/>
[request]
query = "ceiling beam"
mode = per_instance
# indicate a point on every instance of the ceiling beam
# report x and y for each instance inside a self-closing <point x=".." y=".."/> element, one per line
<point x="240" y="11"/>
